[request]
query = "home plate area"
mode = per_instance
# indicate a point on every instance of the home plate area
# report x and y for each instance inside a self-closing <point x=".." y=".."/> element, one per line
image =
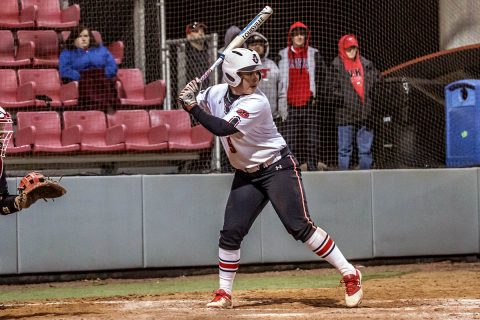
<point x="434" y="291"/>
<point x="134" y="308"/>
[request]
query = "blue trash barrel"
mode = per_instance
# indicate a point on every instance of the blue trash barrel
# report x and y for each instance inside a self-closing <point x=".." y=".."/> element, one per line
<point x="462" y="106"/>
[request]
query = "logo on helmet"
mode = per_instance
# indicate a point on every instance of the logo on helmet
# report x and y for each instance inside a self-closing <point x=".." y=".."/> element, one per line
<point x="255" y="58"/>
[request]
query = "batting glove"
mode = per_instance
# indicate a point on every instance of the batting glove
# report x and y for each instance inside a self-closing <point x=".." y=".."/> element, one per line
<point x="187" y="97"/>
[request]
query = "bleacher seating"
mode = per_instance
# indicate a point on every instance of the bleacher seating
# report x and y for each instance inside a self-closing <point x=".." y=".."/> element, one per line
<point x="43" y="131"/>
<point x="181" y="136"/>
<point x="138" y="134"/>
<point x="132" y="90"/>
<point x="16" y="149"/>
<point x="8" y="57"/>
<point x="45" y="46"/>
<point x="30" y="44"/>
<point x="49" y="14"/>
<point x="12" y="17"/>
<point x="89" y="129"/>
<point x="11" y="94"/>
<point x="47" y="83"/>
<point x="116" y="48"/>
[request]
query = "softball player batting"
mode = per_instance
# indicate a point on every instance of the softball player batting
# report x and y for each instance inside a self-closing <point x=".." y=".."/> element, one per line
<point x="266" y="170"/>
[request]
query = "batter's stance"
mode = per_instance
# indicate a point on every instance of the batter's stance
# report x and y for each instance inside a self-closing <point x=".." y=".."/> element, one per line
<point x="266" y="170"/>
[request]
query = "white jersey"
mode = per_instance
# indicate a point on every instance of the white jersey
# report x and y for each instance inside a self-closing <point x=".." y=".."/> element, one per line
<point x="258" y="139"/>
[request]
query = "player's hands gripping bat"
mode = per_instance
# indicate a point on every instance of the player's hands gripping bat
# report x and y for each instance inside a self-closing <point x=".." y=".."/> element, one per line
<point x="187" y="97"/>
<point x="35" y="186"/>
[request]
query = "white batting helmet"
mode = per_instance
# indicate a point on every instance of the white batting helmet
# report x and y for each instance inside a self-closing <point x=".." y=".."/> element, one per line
<point x="238" y="60"/>
<point x="6" y="131"/>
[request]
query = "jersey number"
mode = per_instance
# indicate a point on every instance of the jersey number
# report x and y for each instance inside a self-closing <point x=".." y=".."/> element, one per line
<point x="230" y="145"/>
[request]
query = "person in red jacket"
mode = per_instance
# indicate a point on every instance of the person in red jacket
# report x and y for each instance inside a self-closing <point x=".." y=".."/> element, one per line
<point x="300" y="66"/>
<point x="353" y="79"/>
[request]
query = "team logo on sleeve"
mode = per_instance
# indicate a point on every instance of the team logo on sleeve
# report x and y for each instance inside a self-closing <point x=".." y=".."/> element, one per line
<point x="242" y="113"/>
<point x="235" y="121"/>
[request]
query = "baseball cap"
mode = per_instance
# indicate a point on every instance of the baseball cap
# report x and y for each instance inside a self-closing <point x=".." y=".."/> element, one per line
<point x="194" y="26"/>
<point x="350" y="41"/>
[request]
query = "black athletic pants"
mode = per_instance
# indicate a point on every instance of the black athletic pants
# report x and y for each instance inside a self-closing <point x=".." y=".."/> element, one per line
<point x="281" y="183"/>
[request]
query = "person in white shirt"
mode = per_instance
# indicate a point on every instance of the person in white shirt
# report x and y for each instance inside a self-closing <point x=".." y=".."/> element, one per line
<point x="265" y="170"/>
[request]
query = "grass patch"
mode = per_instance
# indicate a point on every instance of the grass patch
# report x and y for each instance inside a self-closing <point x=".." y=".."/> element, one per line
<point x="172" y="285"/>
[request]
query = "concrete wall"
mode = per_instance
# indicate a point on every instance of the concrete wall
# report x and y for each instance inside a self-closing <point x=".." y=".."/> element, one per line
<point x="129" y="222"/>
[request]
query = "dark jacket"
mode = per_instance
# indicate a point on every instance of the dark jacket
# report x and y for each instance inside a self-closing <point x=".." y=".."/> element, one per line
<point x="349" y="107"/>
<point x="197" y="62"/>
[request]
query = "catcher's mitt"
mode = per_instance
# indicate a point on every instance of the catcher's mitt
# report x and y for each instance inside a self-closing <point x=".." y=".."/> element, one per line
<point x="36" y="186"/>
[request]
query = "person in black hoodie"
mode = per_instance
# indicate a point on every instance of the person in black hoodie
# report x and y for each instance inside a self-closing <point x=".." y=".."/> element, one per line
<point x="352" y="82"/>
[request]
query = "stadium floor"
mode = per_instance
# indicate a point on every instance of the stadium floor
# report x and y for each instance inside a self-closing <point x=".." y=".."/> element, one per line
<point x="441" y="290"/>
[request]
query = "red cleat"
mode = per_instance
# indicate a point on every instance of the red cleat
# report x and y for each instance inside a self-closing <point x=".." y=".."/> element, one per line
<point x="353" y="289"/>
<point x="222" y="300"/>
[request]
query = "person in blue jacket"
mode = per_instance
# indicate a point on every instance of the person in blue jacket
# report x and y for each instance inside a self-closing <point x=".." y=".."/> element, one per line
<point x="92" y="64"/>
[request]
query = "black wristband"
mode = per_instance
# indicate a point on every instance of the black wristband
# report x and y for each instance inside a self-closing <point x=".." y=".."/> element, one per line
<point x="7" y="204"/>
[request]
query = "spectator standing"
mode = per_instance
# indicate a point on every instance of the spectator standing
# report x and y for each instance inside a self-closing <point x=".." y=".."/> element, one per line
<point x="230" y="34"/>
<point x="90" y="63"/>
<point x="197" y="54"/>
<point x="353" y="79"/>
<point x="270" y="83"/>
<point x="300" y="67"/>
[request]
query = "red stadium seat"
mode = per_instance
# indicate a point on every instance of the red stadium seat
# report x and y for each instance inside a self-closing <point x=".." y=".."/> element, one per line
<point x="49" y="14"/>
<point x="181" y="135"/>
<point x="138" y="134"/>
<point x="8" y="58"/>
<point x="45" y="49"/>
<point x="116" y="48"/>
<point x="132" y="89"/>
<point x="11" y="148"/>
<point x="12" y="95"/>
<point x="11" y="17"/>
<point x="47" y="83"/>
<point x="43" y="130"/>
<point x="89" y="128"/>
